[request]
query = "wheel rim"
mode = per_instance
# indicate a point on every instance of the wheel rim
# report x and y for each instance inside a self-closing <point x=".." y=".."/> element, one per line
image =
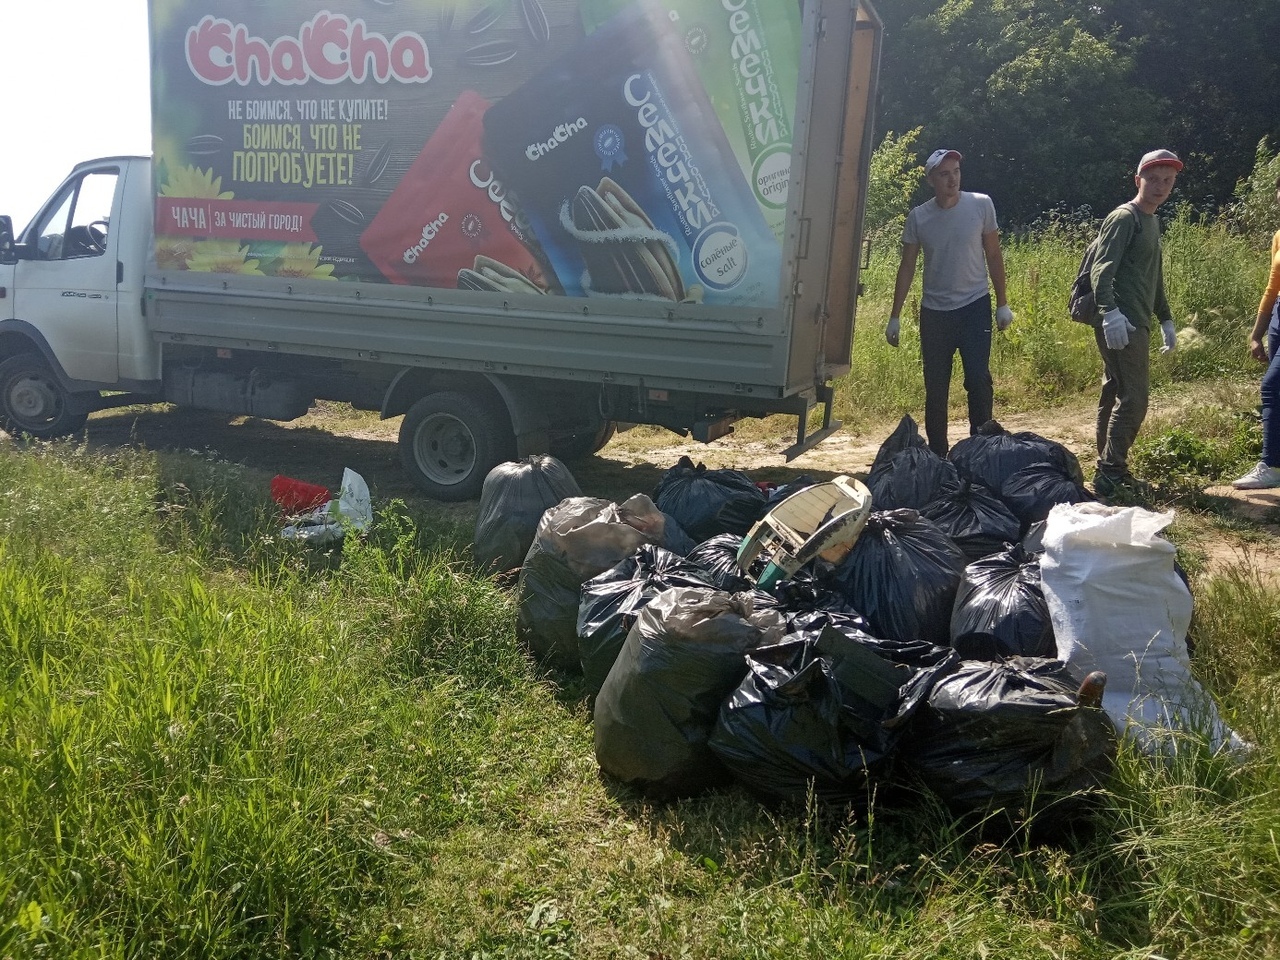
<point x="444" y="449"/>
<point x="33" y="401"/>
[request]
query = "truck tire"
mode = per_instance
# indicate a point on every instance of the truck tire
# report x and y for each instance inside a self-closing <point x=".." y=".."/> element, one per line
<point x="450" y="441"/>
<point x="579" y="445"/>
<point x="32" y="401"/>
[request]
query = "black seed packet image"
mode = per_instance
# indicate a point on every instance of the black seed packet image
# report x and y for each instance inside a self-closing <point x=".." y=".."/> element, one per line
<point x="626" y="175"/>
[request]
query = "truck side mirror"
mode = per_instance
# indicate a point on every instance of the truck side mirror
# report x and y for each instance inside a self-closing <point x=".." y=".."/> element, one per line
<point x="7" y="252"/>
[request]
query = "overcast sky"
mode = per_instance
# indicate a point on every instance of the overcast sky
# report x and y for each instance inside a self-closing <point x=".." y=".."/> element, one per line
<point x="74" y="85"/>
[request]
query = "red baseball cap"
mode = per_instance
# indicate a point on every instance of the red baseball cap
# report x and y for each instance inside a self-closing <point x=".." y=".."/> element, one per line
<point x="1159" y="158"/>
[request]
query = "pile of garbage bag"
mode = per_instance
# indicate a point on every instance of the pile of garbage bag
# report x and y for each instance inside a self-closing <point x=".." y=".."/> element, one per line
<point x="963" y="642"/>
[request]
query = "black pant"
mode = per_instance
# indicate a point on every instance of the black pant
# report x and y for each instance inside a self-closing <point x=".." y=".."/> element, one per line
<point x="943" y="332"/>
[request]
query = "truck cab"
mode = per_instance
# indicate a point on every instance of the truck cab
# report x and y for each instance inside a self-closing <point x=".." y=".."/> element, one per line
<point x="71" y="324"/>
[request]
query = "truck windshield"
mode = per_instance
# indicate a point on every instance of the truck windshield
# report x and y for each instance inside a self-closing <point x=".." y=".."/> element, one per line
<point x="76" y="224"/>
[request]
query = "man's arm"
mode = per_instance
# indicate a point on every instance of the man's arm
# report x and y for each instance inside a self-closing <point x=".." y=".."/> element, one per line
<point x="995" y="265"/>
<point x="1113" y="241"/>
<point x="906" y="274"/>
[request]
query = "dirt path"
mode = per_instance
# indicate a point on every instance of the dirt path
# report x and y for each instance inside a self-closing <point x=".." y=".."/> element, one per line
<point x="318" y="446"/>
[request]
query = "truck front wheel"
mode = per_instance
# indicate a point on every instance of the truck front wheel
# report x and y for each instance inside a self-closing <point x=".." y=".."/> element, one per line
<point x="32" y="401"/>
<point x="450" y="441"/>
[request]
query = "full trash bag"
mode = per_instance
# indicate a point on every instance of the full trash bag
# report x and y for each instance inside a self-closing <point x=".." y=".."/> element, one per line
<point x="913" y="478"/>
<point x="905" y="436"/>
<point x="915" y="654"/>
<point x="577" y="539"/>
<point x="718" y="556"/>
<point x="902" y="575"/>
<point x="993" y="454"/>
<point x="708" y="502"/>
<point x="610" y="603"/>
<point x="514" y="496"/>
<point x="1010" y="736"/>
<point x="682" y="659"/>
<point x="1030" y="493"/>
<point x="1118" y="604"/>
<point x="809" y="713"/>
<point x="1000" y="611"/>
<point x="975" y="518"/>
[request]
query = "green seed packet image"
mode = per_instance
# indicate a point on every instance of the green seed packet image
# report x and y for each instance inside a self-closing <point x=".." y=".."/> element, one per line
<point x="747" y="54"/>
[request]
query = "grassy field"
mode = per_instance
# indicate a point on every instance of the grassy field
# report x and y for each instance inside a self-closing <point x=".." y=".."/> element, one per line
<point x="217" y="743"/>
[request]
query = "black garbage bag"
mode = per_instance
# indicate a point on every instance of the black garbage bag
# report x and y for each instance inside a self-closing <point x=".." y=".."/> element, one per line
<point x="577" y="539"/>
<point x="905" y="436"/>
<point x="1010" y="735"/>
<point x="975" y="518"/>
<point x="913" y="478"/>
<point x="680" y="662"/>
<point x="1030" y="493"/>
<point x="774" y="495"/>
<point x="610" y="603"/>
<point x="1000" y="611"/>
<point x="708" y="502"/>
<point x="915" y="654"/>
<point x="902" y="575"/>
<point x="804" y="592"/>
<point x="718" y="556"/>
<point x="993" y="454"/>
<point x="810" y="712"/>
<point x="512" y="501"/>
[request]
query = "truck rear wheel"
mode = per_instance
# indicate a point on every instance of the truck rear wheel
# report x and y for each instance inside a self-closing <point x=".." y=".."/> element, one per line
<point x="579" y="445"/>
<point x="32" y="401"/>
<point x="450" y="441"/>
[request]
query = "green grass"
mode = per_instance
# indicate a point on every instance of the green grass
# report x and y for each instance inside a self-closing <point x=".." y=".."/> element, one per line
<point x="215" y="743"/>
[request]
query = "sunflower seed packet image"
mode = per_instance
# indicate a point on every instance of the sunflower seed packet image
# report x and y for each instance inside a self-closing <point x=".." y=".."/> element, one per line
<point x="627" y="177"/>
<point x="450" y="222"/>
<point x="747" y="53"/>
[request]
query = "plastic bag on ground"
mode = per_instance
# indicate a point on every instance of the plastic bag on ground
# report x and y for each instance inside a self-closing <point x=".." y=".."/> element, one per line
<point x="905" y="436"/>
<point x="993" y="454"/>
<point x="808" y="714"/>
<point x="709" y="502"/>
<point x="913" y="478"/>
<point x="682" y="659"/>
<point x="1118" y="604"/>
<point x="975" y="518"/>
<point x="329" y="522"/>
<point x="719" y="557"/>
<point x="1000" y="611"/>
<point x="1030" y="493"/>
<point x="577" y="539"/>
<point x="915" y="654"/>
<point x="611" y="602"/>
<point x="514" y="496"/>
<point x="1010" y="735"/>
<point x="902" y="575"/>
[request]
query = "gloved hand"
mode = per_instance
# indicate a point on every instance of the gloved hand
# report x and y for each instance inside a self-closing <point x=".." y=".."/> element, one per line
<point x="892" y="330"/>
<point x="1170" y="336"/>
<point x="1116" y="329"/>
<point x="1004" y="317"/>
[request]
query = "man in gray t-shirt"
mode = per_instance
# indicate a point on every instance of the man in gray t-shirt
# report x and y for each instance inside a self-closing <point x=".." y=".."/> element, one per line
<point x="958" y="233"/>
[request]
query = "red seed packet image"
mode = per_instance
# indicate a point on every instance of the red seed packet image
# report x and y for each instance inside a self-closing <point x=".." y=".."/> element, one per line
<point x="449" y="216"/>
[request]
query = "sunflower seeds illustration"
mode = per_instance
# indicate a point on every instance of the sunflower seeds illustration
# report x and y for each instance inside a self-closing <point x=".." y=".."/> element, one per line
<point x="484" y="18"/>
<point x="535" y="19"/>
<point x="204" y="144"/>
<point x="347" y="211"/>
<point x="378" y="165"/>
<point x="489" y="54"/>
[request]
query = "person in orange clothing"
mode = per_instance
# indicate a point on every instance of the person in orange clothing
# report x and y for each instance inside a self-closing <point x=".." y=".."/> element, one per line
<point x="1266" y="474"/>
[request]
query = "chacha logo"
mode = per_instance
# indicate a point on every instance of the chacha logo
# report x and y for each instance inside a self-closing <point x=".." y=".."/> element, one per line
<point x="428" y="234"/>
<point x="329" y="48"/>
<point x="558" y="136"/>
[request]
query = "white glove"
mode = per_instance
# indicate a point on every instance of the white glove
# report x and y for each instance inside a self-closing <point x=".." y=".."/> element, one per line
<point x="1170" y="336"/>
<point x="1004" y="317"/>
<point x="891" y="331"/>
<point x="1116" y="329"/>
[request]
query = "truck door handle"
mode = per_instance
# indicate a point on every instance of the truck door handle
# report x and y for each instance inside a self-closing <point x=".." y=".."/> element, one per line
<point x="119" y="271"/>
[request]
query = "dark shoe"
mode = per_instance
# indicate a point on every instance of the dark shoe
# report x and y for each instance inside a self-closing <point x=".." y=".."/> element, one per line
<point x="1124" y="486"/>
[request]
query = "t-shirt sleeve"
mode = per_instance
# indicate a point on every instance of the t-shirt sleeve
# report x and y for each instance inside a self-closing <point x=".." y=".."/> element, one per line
<point x="910" y="230"/>
<point x="1270" y="294"/>
<point x="989" y="224"/>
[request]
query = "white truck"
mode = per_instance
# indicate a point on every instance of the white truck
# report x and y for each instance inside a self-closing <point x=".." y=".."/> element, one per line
<point x="516" y="224"/>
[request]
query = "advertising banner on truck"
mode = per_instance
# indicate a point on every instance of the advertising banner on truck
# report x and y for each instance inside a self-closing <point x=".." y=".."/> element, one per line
<point x="571" y="148"/>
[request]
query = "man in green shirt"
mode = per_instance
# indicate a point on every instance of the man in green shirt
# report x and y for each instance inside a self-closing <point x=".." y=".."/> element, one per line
<point x="1128" y="282"/>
